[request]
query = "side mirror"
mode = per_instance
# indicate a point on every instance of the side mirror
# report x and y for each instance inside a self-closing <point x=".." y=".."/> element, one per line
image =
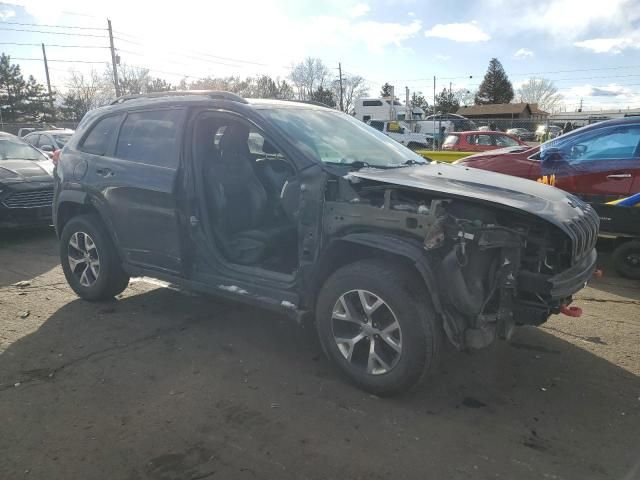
<point x="47" y="148"/>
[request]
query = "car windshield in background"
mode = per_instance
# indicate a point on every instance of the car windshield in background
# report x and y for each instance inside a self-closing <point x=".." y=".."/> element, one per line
<point x="336" y="138"/>
<point x="62" y="139"/>
<point x="11" y="149"/>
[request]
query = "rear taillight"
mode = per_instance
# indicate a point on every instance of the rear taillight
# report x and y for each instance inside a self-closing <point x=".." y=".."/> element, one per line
<point x="55" y="158"/>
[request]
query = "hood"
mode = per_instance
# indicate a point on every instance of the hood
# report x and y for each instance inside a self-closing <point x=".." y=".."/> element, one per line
<point x="14" y="171"/>
<point x="543" y="201"/>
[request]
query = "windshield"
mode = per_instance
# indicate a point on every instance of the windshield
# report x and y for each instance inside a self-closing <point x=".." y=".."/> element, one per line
<point x="336" y="138"/>
<point x="62" y="139"/>
<point x="12" y="149"/>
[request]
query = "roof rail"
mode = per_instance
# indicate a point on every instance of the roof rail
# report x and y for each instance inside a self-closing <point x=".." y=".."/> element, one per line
<point x="213" y="94"/>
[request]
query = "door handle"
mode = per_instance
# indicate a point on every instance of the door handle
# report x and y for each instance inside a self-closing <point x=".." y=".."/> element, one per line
<point x="104" y="172"/>
<point x="618" y="176"/>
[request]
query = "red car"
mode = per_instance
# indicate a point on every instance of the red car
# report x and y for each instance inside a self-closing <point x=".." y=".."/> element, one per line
<point x="479" y="141"/>
<point x="599" y="163"/>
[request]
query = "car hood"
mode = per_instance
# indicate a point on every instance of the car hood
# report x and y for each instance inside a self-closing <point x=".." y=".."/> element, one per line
<point x="14" y="171"/>
<point x="543" y="201"/>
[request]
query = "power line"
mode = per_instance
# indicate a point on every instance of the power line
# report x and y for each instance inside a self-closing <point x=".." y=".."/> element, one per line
<point x="53" y="33"/>
<point x="61" y="61"/>
<point x="50" y="45"/>
<point x="52" y="26"/>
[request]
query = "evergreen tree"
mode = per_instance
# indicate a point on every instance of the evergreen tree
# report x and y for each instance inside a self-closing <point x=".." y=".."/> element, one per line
<point x="495" y="87"/>
<point x="324" y="96"/>
<point x="386" y="90"/>
<point x="418" y="101"/>
<point x="446" y="102"/>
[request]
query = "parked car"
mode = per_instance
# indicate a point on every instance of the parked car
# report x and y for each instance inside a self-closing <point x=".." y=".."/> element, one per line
<point x="541" y="132"/>
<point x="26" y="184"/>
<point x="479" y="141"/>
<point x="402" y="134"/>
<point x="312" y="213"/>
<point x="460" y="123"/>
<point x="599" y="163"/>
<point x="49" y="141"/>
<point x="522" y="134"/>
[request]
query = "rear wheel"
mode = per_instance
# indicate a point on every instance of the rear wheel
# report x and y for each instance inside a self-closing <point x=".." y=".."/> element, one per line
<point x="376" y="327"/>
<point x="416" y="146"/>
<point x="626" y="259"/>
<point x="89" y="259"/>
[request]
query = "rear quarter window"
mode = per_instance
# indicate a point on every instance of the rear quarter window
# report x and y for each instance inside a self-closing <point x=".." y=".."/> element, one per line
<point x="451" y="140"/>
<point x="101" y="135"/>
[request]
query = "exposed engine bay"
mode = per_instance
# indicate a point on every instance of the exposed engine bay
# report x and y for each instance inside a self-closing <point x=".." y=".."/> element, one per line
<point x="496" y="267"/>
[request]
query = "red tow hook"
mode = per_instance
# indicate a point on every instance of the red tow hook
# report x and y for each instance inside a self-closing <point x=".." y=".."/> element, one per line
<point x="571" y="311"/>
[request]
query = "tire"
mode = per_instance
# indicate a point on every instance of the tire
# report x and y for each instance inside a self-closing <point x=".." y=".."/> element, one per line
<point x="416" y="146"/>
<point x="419" y="334"/>
<point x="103" y="277"/>
<point x="626" y="259"/>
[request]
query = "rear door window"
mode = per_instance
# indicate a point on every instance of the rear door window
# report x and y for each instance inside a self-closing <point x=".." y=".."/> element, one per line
<point x="151" y="137"/>
<point x="33" y="139"/>
<point x="101" y="136"/>
<point x="504" y="141"/>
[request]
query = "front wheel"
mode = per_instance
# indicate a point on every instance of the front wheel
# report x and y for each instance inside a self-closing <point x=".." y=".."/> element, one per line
<point x="626" y="259"/>
<point x="376" y="327"/>
<point x="89" y="259"/>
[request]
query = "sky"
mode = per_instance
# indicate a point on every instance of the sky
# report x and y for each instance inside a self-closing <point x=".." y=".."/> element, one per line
<point x="589" y="49"/>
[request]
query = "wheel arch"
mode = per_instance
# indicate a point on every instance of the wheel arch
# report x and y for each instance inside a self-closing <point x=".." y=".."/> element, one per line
<point x="360" y="246"/>
<point x="71" y="203"/>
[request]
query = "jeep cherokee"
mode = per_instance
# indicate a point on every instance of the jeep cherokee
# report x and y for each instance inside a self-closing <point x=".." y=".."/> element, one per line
<point x="310" y="212"/>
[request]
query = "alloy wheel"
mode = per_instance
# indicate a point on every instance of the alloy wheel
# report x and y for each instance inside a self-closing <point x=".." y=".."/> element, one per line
<point x="84" y="260"/>
<point x="366" y="332"/>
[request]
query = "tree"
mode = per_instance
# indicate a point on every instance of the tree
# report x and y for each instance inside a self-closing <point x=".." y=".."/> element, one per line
<point x="309" y="75"/>
<point x="495" y="87"/>
<point x="21" y="99"/>
<point x="385" y="91"/>
<point x="353" y="88"/>
<point x="446" y="102"/>
<point x="464" y="97"/>
<point x="285" y="91"/>
<point x="159" y="85"/>
<point x="419" y="101"/>
<point x="37" y="105"/>
<point x="84" y="93"/>
<point x="541" y="91"/>
<point x="324" y="96"/>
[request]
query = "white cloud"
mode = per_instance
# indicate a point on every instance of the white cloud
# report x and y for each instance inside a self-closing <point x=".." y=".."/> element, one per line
<point x="359" y="10"/>
<point x="458" y="32"/>
<point x="6" y="14"/>
<point x="523" y="53"/>
<point x="569" y="20"/>
<point x="442" y="57"/>
<point x="608" y="45"/>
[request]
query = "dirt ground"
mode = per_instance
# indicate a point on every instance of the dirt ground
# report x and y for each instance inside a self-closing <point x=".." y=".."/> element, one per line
<point x="163" y="385"/>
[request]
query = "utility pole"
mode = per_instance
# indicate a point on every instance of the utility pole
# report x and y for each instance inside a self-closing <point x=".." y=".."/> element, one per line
<point x="46" y="71"/>
<point x="341" y="96"/>
<point x="113" y="60"/>
<point x="580" y="109"/>
<point x="449" y="88"/>
<point x="434" y="109"/>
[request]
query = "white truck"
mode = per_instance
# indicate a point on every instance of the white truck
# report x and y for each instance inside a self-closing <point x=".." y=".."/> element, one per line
<point x="401" y="133"/>
<point x="367" y="109"/>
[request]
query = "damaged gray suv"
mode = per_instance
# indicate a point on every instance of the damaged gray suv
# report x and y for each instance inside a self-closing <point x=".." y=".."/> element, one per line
<point x="309" y="212"/>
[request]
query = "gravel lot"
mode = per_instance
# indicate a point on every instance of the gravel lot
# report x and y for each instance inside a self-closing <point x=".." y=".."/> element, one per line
<point x="163" y="385"/>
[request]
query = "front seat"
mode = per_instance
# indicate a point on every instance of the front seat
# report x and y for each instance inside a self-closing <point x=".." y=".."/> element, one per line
<point x="238" y="201"/>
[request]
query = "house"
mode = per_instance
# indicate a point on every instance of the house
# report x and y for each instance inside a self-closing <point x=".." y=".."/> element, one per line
<point x="505" y="115"/>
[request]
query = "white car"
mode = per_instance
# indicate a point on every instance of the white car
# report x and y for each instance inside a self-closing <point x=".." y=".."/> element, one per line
<point x="402" y="134"/>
